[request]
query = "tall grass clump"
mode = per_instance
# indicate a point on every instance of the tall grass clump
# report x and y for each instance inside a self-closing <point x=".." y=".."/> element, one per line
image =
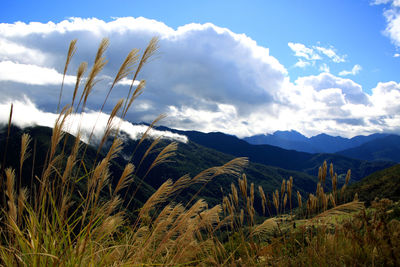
<point x="74" y="216"/>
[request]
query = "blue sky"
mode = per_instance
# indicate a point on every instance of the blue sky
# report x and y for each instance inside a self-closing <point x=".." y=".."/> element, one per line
<point x="331" y="51"/>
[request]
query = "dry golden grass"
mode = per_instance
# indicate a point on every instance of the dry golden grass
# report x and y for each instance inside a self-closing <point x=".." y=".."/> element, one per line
<point x="63" y="224"/>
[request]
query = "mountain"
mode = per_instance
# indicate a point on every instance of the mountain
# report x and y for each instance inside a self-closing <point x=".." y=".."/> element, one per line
<point x="33" y="166"/>
<point x="284" y="139"/>
<point x="381" y="184"/>
<point x="385" y="148"/>
<point x="279" y="157"/>
<point x="321" y="143"/>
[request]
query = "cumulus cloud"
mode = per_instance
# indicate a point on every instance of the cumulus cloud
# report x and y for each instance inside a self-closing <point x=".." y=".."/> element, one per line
<point x="354" y="71"/>
<point x="330" y="53"/>
<point x="392" y="15"/>
<point x="31" y="74"/>
<point x="324" y="68"/>
<point x="379" y="2"/>
<point x="302" y="64"/>
<point x="300" y="50"/>
<point x="308" y="56"/>
<point x="204" y="77"/>
<point x="26" y="113"/>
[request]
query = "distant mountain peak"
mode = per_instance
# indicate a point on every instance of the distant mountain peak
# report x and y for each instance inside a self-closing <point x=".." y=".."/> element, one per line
<point x="321" y="143"/>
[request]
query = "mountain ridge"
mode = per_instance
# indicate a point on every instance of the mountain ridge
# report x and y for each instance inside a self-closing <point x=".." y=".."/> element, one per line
<point x="287" y="159"/>
<point x="321" y="143"/>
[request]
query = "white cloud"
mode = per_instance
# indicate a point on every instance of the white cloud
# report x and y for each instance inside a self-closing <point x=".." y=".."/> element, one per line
<point x="302" y="51"/>
<point x="396" y="55"/>
<point x="324" y="68"/>
<point x="330" y="53"/>
<point x="25" y="113"/>
<point x="302" y="64"/>
<point x="205" y="78"/>
<point x="379" y="2"/>
<point x="392" y="15"/>
<point x="354" y="71"/>
<point x="31" y="74"/>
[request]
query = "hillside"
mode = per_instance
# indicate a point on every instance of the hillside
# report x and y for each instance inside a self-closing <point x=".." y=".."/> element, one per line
<point x="381" y="184"/>
<point x="191" y="158"/>
<point x="282" y="158"/>
<point x="386" y="148"/>
<point x="33" y="166"/>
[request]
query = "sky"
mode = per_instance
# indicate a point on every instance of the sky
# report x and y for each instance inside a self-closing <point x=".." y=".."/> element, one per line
<point x="239" y="67"/>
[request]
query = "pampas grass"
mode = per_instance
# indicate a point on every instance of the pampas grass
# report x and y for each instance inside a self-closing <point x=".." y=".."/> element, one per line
<point x="74" y="214"/>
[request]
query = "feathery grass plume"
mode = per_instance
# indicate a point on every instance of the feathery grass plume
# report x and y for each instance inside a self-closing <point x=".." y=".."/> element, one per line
<point x="146" y="133"/>
<point x="138" y="91"/>
<point x="22" y="198"/>
<point x="331" y="170"/>
<point x="71" y="160"/>
<point x="66" y="203"/>
<point x="252" y="194"/>
<point x="343" y="189"/>
<point x="283" y="187"/>
<point x="243" y="185"/>
<point x="50" y="168"/>
<point x="346" y="208"/>
<point x="334" y="182"/>
<point x="24" y="154"/>
<point x="299" y="199"/>
<point x="275" y="198"/>
<point x="241" y="216"/>
<point x="284" y="202"/>
<point x="332" y="199"/>
<point x="109" y="125"/>
<point x="155" y="142"/>
<point x="266" y="227"/>
<point x="58" y="132"/>
<point x="164" y="156"/>
<point x="150" y="50"/>
<point x="125" y="69"/>
<point x="320" y="174"/>
<point x="233" y="167"/>
<point x="348" y="177"/>
<point x="115" y="148"/>
<point x="125" y="178"/>
<point x="289" y="190"/>
<point x="109" y="226"/>
<point x="96" y="181"/>
<point x="263" y="198"/>
<point x="81" y="70"/>
<point x="324" y="171"/>
<point x="209" y="217"/>
<point x="10" y="192"/>
<point x="182" y="183"/>
<point x="71" y="52"/>
<point x="325" y="202"/>
<point x="235" y="194"/>
<point x="159" y="196"/>
<point x="98" y="66"/>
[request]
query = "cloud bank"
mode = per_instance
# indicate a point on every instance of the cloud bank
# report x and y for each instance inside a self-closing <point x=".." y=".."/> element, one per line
<point x="204" y="78"/>
<point x="26" y="114"/>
